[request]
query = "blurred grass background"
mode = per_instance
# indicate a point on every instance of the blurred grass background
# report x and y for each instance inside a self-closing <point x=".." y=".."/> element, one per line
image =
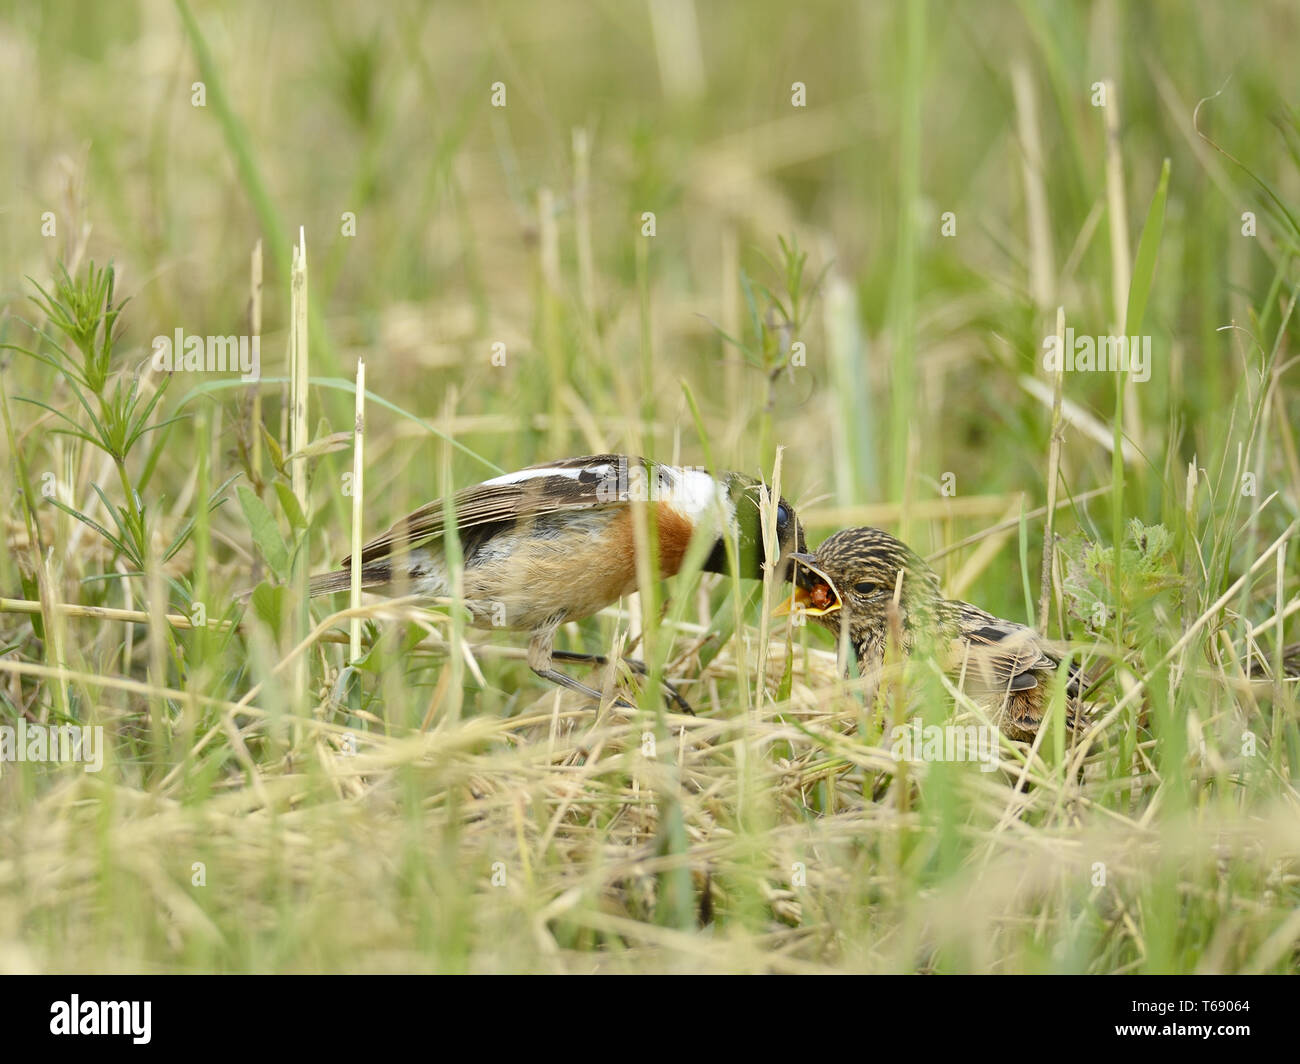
<point x="523" y="225"/>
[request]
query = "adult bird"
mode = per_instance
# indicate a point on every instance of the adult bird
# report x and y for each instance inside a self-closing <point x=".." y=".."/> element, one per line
<point x="556" y="542"/>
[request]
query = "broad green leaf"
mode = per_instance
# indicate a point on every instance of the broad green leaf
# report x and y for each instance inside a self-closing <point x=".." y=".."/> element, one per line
<point x="266" y="533"/>
<point x="268" y="605"/>
<point x="289" y="503"/>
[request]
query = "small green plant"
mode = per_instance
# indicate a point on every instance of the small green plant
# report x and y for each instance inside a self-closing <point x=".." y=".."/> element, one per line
<point x="777" y="316"/>
<point x="116" y="409"/>
<point x="1144" y="579"/>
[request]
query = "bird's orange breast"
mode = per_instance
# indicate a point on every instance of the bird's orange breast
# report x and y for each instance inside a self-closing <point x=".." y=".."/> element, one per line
<point x="673" y="529"/>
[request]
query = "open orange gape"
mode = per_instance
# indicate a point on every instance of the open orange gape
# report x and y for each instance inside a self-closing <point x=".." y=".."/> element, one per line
<point x="811" y="597"/>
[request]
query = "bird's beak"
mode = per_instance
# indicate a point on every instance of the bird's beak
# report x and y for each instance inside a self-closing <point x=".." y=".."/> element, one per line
<point x="794" y="603"/>
<point x="785" y="608"/>
<point x="800" y="601"/>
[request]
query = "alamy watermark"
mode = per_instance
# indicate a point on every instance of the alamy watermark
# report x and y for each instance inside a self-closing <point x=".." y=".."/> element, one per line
<point x="1099" y="354"/>
<point x="48" y="743"/>
<point x="209" y="354"/>
<point x="625" y="481"/>
<point x="947" y="742"/>
<point x="77" y="1017"/>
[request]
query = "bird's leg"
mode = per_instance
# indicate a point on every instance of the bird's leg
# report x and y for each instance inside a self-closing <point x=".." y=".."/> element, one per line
<point x="639" y="667"/>
<point x="540" y="655"/>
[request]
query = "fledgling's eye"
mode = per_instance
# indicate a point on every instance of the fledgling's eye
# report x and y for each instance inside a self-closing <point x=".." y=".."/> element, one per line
<point x="866" y="587"/>
<point x="782" y="518"/>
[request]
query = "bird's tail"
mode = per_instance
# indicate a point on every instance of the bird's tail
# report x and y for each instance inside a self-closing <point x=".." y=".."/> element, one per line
<point x="339" y="580"/>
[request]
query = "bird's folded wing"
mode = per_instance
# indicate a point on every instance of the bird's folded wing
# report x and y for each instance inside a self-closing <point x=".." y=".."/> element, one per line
<point x="1000" y="654"/>
<point x="572" y="484"/>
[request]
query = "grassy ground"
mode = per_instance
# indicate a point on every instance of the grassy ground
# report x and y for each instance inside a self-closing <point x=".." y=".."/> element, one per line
<point x="262" y="808"/>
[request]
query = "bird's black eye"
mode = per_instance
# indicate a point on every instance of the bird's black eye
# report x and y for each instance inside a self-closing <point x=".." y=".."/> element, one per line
<point x="866" y="587"/>
<point x="782" y="518"/>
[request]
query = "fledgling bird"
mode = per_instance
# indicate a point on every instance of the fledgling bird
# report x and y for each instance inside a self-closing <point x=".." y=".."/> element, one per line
<point x="555" y="543"/>
<point x="1006" y="667"/>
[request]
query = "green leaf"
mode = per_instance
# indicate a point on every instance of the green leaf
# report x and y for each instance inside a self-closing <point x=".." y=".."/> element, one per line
<point x="337" y="441"/>
<point x="154" y="428"/>
<point x="125" y="527"/>
<point x="266" y="533"/>
<point x="184" y="534"/>
<point x="289" y="503"/>
<point x="274" y="451"/>
<point x="140" y="422"/>
<point x="118" y="545"/>
<point x="388" y="652"/>
<point x="75" y="430"/>
<point x="1144" y="268"/>
<point x="214" y="501"/>
<point x="268" y="604"/>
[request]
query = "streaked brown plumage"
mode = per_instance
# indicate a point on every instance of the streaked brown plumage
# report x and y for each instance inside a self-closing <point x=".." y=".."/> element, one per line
<point x="1005" y="666"/>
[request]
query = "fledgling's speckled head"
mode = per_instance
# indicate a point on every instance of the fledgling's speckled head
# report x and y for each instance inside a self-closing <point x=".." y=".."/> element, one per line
<point x="863" y="565"/>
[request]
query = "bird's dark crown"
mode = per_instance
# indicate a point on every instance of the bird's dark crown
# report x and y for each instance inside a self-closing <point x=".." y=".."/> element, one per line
<point x="747" y="496"/>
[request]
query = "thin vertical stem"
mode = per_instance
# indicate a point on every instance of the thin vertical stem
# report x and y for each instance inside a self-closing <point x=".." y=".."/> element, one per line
<point x="1053" y="474"/>
<point x="358" y="497"/>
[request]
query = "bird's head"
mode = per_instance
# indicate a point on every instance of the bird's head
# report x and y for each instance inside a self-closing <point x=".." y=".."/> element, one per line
<point x="748" y="497"/>
<point x="855" y="576"/>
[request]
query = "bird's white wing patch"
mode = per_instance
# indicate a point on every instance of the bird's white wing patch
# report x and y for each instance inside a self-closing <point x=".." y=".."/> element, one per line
<point x="692" y="492"/>
<point x="572" y="472"/>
